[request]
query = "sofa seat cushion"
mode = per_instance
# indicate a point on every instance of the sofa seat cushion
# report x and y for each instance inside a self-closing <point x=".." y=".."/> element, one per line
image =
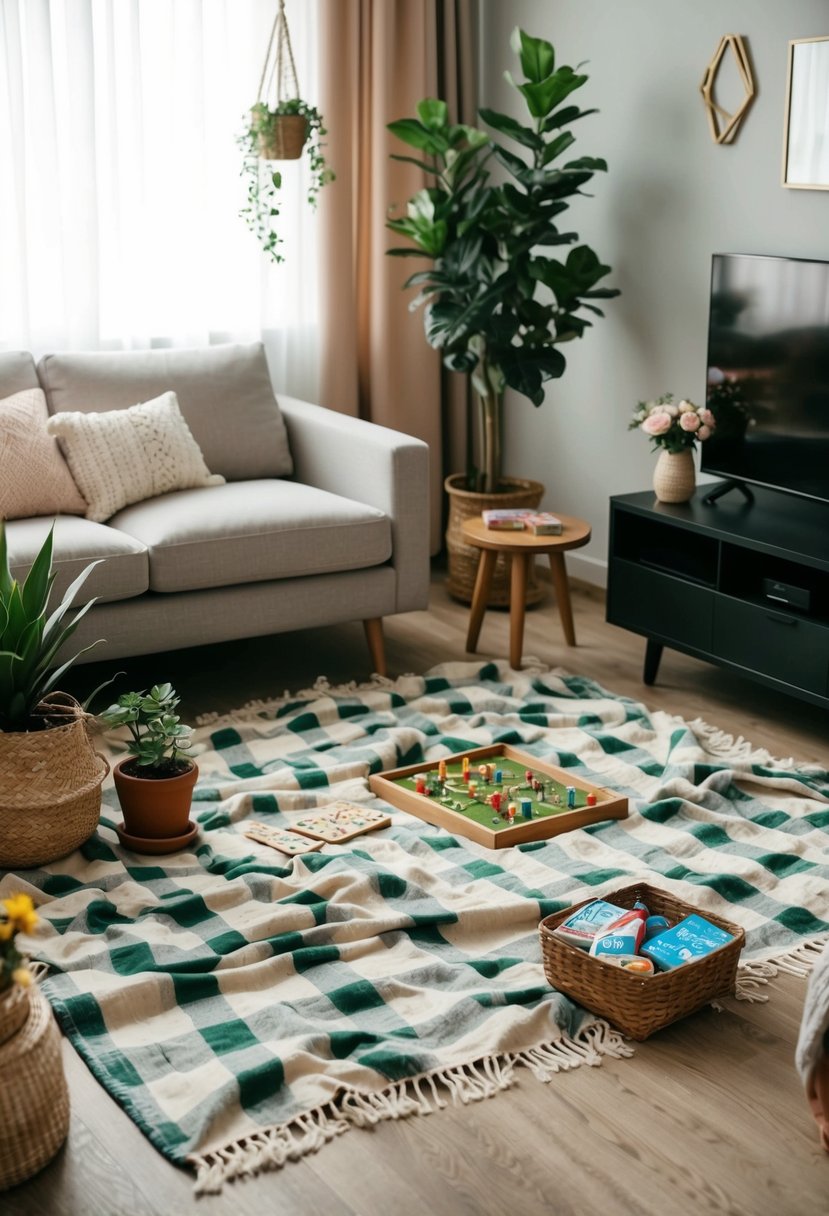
<point x="224" y="393"/>
<point x="250" y="531"/>
<point x="123" y="573"/>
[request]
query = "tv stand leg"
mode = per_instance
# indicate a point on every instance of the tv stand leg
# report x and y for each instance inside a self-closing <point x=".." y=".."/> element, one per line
<point x="726" y="488"/>
<point x="653" y="653"/>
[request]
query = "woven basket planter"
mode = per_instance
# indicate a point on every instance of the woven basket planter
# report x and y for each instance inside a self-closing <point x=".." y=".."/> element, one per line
<point x="286" y="138"/>
<point x="463" y="558"/>
<point x="50" y="796"/>
<point x="34" y="1101"/>
<point x="640" y="1005"/>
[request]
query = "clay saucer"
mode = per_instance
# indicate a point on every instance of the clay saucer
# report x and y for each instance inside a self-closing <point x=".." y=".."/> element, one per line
<point x="152" y="844"/>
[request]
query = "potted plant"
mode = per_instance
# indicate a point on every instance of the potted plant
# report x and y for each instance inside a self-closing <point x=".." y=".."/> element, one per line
<point x="155" y="782"/>
<point x="498" y="304"/>
<point x="34" y="1101"/>
<point x="50" y="796"/>
<point x="273" y="133"/>
<point x="673" y="429"/>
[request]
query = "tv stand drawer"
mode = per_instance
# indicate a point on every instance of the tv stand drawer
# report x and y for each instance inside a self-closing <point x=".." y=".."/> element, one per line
<point x="778" y="644"/>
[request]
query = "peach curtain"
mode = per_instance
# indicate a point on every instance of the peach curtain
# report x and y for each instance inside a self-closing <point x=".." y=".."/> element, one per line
<point x="379" y="59"/>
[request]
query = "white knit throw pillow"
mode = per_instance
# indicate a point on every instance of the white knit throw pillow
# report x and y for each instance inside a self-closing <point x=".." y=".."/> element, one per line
<point x="123" y="456"/>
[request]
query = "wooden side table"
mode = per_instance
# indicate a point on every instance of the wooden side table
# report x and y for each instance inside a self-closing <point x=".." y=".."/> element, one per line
<point x="521" y="547"/>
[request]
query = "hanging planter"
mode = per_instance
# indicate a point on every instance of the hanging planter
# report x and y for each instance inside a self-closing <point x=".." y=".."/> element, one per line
<point x="281" y="126"/>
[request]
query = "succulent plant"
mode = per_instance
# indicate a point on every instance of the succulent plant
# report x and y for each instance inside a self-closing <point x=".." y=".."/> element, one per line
<point x="158" y="740"/>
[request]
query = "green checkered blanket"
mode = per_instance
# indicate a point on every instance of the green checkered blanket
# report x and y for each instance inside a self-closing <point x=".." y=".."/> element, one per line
<point x="244" y="1008"/>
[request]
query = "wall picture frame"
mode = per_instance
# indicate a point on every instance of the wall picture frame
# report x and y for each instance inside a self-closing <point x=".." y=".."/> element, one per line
<point x="806" y="131"/>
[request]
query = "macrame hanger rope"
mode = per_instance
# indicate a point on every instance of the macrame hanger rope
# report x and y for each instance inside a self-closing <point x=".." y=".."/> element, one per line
<point x="279" y="68"/>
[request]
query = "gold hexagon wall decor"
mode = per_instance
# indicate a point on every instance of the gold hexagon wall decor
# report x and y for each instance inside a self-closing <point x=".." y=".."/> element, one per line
<point x="722" y="124"/>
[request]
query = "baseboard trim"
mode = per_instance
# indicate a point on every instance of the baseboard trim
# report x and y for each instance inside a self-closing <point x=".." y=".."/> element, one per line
<point x="591" y="571"/>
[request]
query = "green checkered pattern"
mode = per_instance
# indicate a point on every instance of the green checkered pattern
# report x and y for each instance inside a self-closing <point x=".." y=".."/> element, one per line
<point x="225" y="989"/>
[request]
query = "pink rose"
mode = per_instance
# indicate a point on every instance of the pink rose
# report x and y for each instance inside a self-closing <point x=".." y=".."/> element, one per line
<point x="657" y="424"/>
<point x="703" y="432"/>
<point x="708" y="418"/>
<point x="689" y="422"/>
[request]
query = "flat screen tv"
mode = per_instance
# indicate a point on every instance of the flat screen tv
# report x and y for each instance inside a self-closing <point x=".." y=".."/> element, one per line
<point x="768" y="373"/>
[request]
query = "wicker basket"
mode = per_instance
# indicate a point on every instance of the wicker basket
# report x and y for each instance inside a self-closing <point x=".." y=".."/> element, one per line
<point x="50" y="796"/>
<point x="34" y="1102"/>
<point x="463" y="558"/>
<point x="286" y="138"/>
<point x="639" y="1005"/>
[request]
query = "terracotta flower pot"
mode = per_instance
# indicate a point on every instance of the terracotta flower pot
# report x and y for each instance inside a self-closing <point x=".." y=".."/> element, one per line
<point x="155" y="808"/>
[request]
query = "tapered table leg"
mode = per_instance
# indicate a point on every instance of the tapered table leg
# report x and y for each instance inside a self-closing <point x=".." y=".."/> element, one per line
<point x="517" y="605"/>
<point x="653" y="653"/>
<point x="483" y="582"/>
<point x="562" y="590"/>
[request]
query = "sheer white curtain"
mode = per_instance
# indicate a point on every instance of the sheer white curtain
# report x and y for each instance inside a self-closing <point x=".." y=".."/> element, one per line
<point x="119" y="181"/>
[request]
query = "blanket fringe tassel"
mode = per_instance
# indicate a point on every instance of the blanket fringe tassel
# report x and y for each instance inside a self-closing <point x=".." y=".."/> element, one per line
<point x="270" y="1148"/>
<point x="754" y="974"/>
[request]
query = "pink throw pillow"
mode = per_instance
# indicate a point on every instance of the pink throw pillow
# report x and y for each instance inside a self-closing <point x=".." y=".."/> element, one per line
<point x="34" y="477"/>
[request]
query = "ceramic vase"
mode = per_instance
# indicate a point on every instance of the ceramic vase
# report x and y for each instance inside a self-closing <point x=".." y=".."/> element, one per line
<point x="674" y="479"/>
<point x="155" y="809"/>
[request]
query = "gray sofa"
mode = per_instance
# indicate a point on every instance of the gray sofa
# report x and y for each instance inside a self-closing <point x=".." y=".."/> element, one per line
<point x="323" y="518"/>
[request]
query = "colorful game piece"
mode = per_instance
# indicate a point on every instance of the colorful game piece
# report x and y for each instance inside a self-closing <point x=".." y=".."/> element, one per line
<point x="420" y="784"/>
<point x="526" y="808"/>
<point x="571" y="796"/>
<point x="528" y="775"/>
<point x="496" y="799"/>
<point x="465" y="768"/>
<point x="442" y="771"/>
<point x="499" y="776"/>
<point x="511" y="810"/>
<point x="591" y="799"/>
<point x="472" y="789"/>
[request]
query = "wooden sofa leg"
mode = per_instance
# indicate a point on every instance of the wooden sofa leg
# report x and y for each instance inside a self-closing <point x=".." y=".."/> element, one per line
<point x="374" y="637"/>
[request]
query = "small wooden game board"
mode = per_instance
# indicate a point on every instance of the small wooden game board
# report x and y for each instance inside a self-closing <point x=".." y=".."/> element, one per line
<point x="340" y="821"/>
<point x="565" y="802"/>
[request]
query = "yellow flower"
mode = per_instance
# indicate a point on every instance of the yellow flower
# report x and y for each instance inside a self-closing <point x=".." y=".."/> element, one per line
<point x="21" y="912"/>
<point x="6" y="930"/>
<point x="22" y="976"/>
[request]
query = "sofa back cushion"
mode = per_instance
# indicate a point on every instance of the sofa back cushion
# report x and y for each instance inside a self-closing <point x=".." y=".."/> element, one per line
<point x="224" y="393"/>
<point x="17" y="372"/>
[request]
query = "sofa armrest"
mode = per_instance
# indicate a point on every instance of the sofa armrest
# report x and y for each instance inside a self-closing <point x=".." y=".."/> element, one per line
<point x="371" y="464"/>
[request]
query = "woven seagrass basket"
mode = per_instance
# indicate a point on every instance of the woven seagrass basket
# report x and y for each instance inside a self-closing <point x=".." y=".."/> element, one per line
<point x="463" y="558"/>
<point x="34" y="1101"/>
<point x="639" y="1005"/>
<point x="50" y="796"/>
<point x="286" y="138"/>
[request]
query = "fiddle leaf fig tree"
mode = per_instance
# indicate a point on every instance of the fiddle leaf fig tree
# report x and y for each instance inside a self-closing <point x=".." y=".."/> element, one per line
<point x="502" y="294"/>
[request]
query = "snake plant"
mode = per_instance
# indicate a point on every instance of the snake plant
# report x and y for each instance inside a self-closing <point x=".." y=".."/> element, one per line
<point x="29" y="639"/>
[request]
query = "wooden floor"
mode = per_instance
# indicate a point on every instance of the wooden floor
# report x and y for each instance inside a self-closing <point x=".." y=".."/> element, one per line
<point x="708" y="1116"/>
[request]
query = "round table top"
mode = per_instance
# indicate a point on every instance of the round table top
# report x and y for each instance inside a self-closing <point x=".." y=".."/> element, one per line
<point x="574" y="534"/>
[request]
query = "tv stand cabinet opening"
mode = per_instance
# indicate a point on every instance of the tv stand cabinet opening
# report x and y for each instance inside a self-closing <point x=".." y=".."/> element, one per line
<point x="742" y="584"/>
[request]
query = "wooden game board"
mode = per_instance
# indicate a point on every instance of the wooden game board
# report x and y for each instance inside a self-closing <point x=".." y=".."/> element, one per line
<point x="474" y="818"/>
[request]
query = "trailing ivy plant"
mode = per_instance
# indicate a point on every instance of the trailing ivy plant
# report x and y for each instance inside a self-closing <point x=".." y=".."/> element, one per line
<point x="498" y="302"/>
<point x="264" y="183"/>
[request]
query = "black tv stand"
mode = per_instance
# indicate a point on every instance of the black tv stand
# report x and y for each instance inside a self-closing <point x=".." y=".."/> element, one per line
<point x="725" y="487"/>
<point x="697" y="580"/>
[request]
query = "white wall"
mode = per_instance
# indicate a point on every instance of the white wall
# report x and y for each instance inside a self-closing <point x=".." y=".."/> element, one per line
<point x="670" y="199"/>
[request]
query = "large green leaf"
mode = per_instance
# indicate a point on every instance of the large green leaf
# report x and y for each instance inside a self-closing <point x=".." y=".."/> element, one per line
<point x="35" y="591"/>
<point x="417" y="136"/>
<point x="512" y="128"/>
<point x="433" y="114"/>
<point x="537" y="56"/>
<point x="5" y="574"/>
<point x="543" y="97"/>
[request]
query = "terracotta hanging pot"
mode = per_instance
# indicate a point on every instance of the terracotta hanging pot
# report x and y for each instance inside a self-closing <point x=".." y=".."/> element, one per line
<point x="155" y="809"/>
<point x="674" y="478"/>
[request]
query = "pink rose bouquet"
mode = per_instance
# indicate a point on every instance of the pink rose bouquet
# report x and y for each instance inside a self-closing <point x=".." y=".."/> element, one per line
<point x="670" y="425"/>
